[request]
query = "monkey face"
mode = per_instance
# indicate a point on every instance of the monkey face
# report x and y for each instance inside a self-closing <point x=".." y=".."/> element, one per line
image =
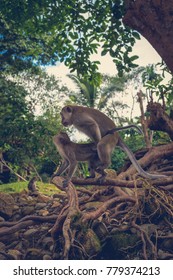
<point x="66" y="116"/>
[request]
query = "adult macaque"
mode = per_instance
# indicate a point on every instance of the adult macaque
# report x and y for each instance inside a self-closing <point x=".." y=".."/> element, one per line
<point x="72" y="153"/>
<point x="97" y="126"/>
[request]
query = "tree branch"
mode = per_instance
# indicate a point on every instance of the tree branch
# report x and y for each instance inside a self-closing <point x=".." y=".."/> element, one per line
<point x="153" y="20"/>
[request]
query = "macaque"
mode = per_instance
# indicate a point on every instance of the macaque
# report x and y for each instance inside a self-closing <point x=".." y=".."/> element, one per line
<point x="72" y="153"/>
<point x="100" y="128"/>
<point x="32" y="185"/>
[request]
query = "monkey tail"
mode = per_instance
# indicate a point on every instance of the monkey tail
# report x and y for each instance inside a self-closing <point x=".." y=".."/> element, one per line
<point x="132" y="158"/>
<point x="111" y="131"/>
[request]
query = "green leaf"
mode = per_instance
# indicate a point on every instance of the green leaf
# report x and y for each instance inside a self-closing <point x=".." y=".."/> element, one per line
<point x="134" y="57"/>
<point x="112" y="53"/>
<point x="136" y="35"/>
<point x="104" y="52"/>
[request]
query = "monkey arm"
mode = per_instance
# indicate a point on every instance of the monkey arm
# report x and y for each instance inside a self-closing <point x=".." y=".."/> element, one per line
<point x="89" y="126"/>
<point x="95" y="132"/>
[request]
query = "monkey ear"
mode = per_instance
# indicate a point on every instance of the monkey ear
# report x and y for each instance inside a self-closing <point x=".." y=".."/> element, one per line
<point x="69" y="109"/>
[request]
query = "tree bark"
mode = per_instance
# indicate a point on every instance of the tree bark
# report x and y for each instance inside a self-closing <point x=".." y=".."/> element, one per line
<point x="153" y="19"/>
<point x="144" y="121"/>
<point x="159" y="119"/>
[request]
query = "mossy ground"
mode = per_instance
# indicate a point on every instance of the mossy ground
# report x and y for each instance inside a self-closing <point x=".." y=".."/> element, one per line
<point x="17" y="187"/>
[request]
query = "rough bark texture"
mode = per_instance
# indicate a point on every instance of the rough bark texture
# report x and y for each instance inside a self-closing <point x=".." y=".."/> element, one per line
<point x="143" y="120"/>
<point x="153" y="19"/>
<point x="159" y="119"/>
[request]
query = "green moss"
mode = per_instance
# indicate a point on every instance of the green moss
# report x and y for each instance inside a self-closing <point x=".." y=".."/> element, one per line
<point x="17" y="187"/>
<point x="13" y="187"/>
<point x="122" y="240"/>
<point x="91" y="242"/>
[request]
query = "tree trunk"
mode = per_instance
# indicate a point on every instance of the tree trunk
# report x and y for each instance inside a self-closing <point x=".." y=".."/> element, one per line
<point x="144" y="121"/>
<point x="153" y="19"/>
<point x="159" y="119"/>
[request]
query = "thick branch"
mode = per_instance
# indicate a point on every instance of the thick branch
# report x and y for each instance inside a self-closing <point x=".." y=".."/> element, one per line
<point x="153" y="20"/>
<point x="12" y="227"/>
<point x="97" y="213"/>
<point x="121" y="183"/>
<point x="34" y="218"/>
<point x="143" y="120"/>
<point x="159" y="119"/>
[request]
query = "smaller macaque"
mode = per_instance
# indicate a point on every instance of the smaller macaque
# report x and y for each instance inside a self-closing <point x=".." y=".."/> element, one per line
<point x="72" y="153"/>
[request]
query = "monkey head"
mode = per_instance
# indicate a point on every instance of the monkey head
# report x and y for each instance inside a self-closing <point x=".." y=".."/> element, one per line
<point x="61" y="138"/>
<point x="66" y="116"/>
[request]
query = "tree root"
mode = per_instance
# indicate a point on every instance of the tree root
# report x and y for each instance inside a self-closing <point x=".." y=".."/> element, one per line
<point x="145" y="239"/>
<point x="68" y="215"/>
<point x="127" y="209"/>
<point x="91" y="216"/>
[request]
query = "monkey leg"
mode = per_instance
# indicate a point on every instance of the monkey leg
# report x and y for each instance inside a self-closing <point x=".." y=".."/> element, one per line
<point x="93" y="164"/>
<point x="61" y="169"/>
<point x="92" y="173"/>
<point x="105" y="148"/>
<point x="91" y="168"/>
<point x="71" y="171"/>
<point x="104" y="155"/>
<point x="103" y="174"/>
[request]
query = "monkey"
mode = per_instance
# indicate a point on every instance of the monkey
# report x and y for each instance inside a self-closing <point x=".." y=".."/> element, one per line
<point x="72" y="153"/>
<point x="96" y="125"/>
<point x="32" y="185"/>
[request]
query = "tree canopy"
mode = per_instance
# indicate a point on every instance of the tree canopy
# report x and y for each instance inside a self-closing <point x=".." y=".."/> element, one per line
<point x="44" y="32"/>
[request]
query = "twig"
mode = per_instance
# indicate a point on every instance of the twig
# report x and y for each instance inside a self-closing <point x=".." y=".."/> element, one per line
<point x="19" y="176"/>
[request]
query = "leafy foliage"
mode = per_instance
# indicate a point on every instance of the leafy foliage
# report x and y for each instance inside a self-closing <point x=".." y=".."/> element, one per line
<point x="94" y="96"/>
<point x="43" y="91"/>
<point x="26" y="140"/>
<point x="156" y="85"/>
<point x="42" y="32"/>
